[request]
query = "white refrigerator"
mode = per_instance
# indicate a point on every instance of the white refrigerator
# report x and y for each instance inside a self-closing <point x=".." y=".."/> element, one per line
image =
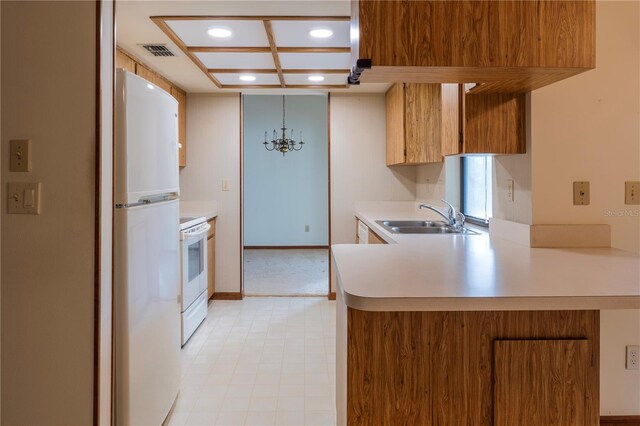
<point x="146" y="256"/>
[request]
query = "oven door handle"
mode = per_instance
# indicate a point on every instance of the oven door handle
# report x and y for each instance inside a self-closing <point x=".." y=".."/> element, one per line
<point x="197" y="235"/>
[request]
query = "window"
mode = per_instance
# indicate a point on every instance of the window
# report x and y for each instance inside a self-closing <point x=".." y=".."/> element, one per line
<point x="476" y="183"/>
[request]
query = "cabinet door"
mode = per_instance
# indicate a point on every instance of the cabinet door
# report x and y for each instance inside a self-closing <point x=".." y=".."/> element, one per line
<point x="211" y="266"/>
<point x="124" y="61"/>
<point x="395" y="109"/>
<point x="181" y="97"/>
<point x="542" y="381"/>
<point x="494" y="123"/>
<point x="375" y="239"/>
<point x="423" y="119"/>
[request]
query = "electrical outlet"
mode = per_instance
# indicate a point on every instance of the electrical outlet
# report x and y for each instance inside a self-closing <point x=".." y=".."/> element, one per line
<point x="20" y="154"/>
<point x="306" y="228"/>
<point x="632" y="192"/>
<point x="632" y="361"/>
<point x="510" y="195"/>
<point x="581" y="194"/>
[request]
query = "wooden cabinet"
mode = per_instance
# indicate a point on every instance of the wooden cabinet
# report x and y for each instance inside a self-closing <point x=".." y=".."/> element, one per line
<point x="123" y="60"/>
<point x="211" y="259"/>
<point x="374" y="238"/>
<point x="181" y="97"/>
<point x="494" y="368"/>
<point x="493" y="123"/>
<point x="543" y="381"/>
<point x="510" y="46"/>
<point x="422" y="122"/>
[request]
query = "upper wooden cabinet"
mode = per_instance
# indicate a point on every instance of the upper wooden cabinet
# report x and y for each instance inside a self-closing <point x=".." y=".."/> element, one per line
<point x="511" y="46"/>
<point x="123" y="60"/>
<point x="493" y="123"/>
<point x="422" y="123"/>
<point x="426" y="122"/>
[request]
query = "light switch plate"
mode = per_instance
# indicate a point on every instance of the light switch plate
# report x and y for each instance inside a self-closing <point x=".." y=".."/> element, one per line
<point x="581" y="194"/>
<point x="23" y="197"/>
<point x="510" y="190"/>
<point x="20" y="154"/>
<point x="632" y="192"/>
<point x="225" y="184"/>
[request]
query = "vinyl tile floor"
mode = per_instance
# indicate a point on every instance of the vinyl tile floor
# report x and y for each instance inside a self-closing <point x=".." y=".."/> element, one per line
<point x="290" y="272"/>
<point x="260" y="361"/>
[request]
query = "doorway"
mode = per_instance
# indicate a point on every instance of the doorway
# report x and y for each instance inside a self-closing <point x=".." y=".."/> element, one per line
<point x="285" y="196"/>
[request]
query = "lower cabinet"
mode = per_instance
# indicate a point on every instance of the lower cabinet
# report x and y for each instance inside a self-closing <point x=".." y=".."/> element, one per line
<point x="543" y="381"/>
<point x="211" y="259"/>
<point x="375" y="239"/>
<point x="496" y="368"/>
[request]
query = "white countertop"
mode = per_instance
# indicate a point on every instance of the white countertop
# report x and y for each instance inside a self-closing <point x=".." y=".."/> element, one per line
<point x="207" y="209"/>
<point x="477" y="272"/>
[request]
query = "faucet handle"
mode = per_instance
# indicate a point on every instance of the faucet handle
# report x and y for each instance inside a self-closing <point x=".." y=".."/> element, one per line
<point x="452" y="210"/>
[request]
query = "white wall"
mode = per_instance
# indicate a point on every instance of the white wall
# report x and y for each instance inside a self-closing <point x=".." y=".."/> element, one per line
<point x="588" y="128"/>
<point x="358" y="162"/>
<point x="48" y="95"/>
<point x="213" y="154"/>
<point x="282" y="194"/>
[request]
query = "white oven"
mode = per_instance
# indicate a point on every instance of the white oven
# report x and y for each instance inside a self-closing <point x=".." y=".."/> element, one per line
<point x="193" y="241"/>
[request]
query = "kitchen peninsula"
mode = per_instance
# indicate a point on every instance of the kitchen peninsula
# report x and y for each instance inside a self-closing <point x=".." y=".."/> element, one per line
<point x="472" y="329"/>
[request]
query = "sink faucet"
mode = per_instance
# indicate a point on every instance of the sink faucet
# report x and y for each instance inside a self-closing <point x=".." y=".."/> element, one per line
<point x="453" y="217"/>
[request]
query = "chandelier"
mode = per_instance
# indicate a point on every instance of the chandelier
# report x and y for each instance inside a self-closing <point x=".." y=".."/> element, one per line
<point x="283" y="144"/>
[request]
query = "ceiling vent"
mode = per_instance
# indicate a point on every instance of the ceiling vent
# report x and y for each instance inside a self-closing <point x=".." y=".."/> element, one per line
<point x="158" y="49"/>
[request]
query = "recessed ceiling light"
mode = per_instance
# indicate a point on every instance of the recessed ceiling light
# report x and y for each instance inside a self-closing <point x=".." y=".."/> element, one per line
<point x="321" y="33"/>
<point x="316" y="78"/>
<point x="248" y="77"/>
<point x="219" y="32"/>
<point x="150" y="86"/>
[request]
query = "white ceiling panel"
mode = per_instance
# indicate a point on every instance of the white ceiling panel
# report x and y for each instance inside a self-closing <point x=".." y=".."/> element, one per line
<point x="235" y="60"/>
<point x="243" y="33"/>
<point x="315" y="60"/>
<point x="296" y="33"/>
<point x="303" y="79"/>
<point x="234" y="79"/>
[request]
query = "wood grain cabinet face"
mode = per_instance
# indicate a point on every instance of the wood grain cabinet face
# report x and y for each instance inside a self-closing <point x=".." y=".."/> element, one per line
<point x="542" y="381"/>
<point x="422" y="123"/>
<point x="494" y="123"/>
<point x="513" y="46"/>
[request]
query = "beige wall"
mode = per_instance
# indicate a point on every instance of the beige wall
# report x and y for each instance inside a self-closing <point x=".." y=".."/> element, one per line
<point x="213" y="154"/>
<point x="48" y="87"/>
<point x="588" y="128"/>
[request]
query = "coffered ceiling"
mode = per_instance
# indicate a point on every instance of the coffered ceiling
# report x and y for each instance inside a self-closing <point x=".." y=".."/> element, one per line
<point x="134" y="27"/>
<point x="265" y="52"/>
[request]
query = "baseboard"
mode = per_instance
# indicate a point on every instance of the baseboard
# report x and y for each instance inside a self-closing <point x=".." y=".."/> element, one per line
<point x="619" y="420"/>
<point x="332" y="295"/>
<point x="284" y="247"/>
<point x="227" y="295"/>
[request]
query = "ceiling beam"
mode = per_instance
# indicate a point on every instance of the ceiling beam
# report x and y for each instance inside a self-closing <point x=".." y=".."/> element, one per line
<point x="274" y="50"/>
<point x="275" y="71"/>
<point x="251" y="18"/>
<point x="266" y="49"/>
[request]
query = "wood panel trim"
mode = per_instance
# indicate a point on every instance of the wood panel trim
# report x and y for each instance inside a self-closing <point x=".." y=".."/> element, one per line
<point x="275" y="71"/>
<point x="274" y="50"/>
<point x="286" y="247"/>
<point x="241" y="198"/>
<point x="234" y="295"/>
<point x="332" y="295"/>
<point x="252" y="18"/>
<point x="330" y="271"/>
<point x="265" y="49"/>
<point x="620" y="420"/>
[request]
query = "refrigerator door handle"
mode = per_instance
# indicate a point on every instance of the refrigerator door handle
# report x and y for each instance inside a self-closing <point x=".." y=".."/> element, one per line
<point x="143" y="201"/>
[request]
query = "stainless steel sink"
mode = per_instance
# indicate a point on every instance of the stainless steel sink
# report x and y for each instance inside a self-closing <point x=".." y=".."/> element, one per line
<point x="422" y="227"/>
